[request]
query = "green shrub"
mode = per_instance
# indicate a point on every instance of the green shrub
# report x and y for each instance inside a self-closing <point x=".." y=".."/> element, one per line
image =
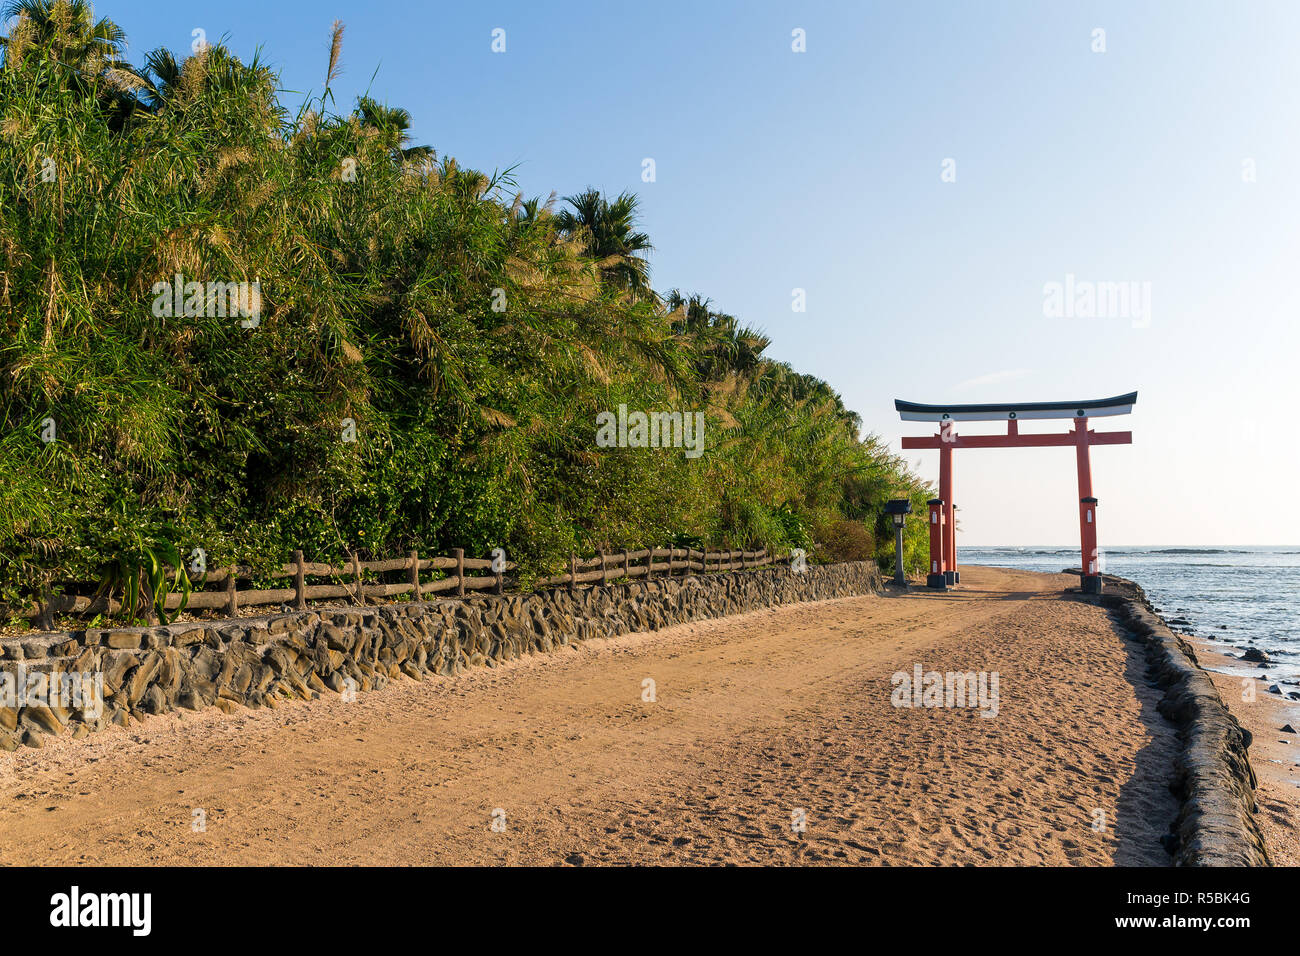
<point x="469" y="336"/>
<point x="846" y="540"/>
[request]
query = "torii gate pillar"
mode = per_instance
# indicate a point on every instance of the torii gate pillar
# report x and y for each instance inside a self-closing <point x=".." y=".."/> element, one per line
<point x="943" y="524"/>
<point x="950" y="573"/>
<point x="936" y="578"/>
<point x="1090" y="559"/>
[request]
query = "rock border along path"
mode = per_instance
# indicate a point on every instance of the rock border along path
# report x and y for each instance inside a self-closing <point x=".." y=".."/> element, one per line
<point x="253" y="662"/>
<point x="1213" y="778"/>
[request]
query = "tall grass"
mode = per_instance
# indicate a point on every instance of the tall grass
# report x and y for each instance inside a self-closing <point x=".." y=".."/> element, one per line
<point x="379" y="266"/>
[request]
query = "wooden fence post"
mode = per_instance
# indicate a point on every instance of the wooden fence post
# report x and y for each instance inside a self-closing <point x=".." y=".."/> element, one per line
<point x="609" y="571"/>
<point x="232" y="596"/>
<point x="299" y="582"/>
<point x="358" y="591"/>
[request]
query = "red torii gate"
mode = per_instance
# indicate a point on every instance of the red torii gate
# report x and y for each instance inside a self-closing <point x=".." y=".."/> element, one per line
<point x="943" y="528"/>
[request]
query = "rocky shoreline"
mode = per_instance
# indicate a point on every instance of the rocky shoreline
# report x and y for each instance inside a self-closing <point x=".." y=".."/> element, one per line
<point x="1213" y="777"/>
<point x="255" y="662"/>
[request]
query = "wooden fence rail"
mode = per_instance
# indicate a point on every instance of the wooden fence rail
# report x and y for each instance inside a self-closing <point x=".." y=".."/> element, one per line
<point x="226" y="595"/>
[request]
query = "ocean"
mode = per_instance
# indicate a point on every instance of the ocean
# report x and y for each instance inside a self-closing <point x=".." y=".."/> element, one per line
<point x="1233" y="597"/>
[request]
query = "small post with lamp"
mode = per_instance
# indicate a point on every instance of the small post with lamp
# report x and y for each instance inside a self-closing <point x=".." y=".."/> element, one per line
<point x="936" y="579"/>
<point x="1090" y="579"/>
<point x="898" y="510"/>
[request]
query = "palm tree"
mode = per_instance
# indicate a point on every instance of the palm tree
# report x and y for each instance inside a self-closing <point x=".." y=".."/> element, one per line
<point x="723" y="345"/>
<point x="609" y="235"/>
<point x="392" y="124"/>
<point x="163" y="76"/>
<point x="67" y="30"/>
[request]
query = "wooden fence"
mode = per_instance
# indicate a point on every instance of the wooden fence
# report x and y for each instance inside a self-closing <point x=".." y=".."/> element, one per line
<point x="225" y="594"/>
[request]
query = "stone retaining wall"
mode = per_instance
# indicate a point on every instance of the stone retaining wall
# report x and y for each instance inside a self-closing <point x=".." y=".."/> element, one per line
<point x="255" y="662"/>
<point x="1213" y="778"/>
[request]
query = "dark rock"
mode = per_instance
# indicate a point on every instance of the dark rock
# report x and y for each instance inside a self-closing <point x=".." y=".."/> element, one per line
<point x="156" y="638"/>
<point x="87" y="661"/>
<point x="188" y="699"/>
<point x="52" y="720"/>
<point x="188" y="636"/>
<point x="137" y="680"/>
<point x="116" y="664"/>
<point x="335" y="639"/>
<point x="241" y="679"/>
<point x="170" y="670"/>
<point x="262" y="678"/>
<point x="153" y="701"/>
<point x="205" y="663"/>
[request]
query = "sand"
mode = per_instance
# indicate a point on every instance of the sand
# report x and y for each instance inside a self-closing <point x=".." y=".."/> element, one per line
<point x="760" y="722"/>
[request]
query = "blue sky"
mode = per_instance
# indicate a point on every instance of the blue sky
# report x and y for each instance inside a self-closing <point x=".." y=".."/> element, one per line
<point x="821" y="171"/>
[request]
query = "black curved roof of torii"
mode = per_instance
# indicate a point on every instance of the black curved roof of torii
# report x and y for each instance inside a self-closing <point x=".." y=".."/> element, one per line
<point x="1090" y="408"/>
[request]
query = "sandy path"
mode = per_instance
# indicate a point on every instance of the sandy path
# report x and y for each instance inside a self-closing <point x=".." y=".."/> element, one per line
<point x="756" y="716"/>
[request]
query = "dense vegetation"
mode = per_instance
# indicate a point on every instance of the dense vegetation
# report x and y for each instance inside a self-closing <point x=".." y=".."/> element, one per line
<point x="471" y="336"/>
